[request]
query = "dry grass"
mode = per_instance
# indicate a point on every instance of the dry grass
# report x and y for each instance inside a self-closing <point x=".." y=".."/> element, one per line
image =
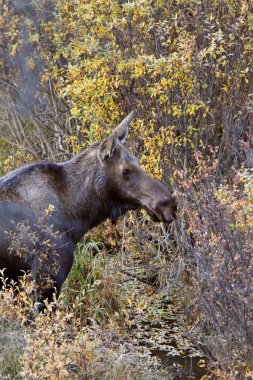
<point x="77" y="337"/>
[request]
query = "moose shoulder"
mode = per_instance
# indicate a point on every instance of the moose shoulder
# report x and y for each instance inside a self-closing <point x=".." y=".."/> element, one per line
<point x="59" y="202"/>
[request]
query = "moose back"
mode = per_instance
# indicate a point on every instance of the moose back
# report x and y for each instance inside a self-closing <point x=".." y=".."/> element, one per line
<point x="46" y="208"/>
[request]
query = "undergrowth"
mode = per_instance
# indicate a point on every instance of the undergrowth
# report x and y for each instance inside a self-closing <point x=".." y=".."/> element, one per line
<point x="77" y="336"/>
<point x="215" y="233"/>
<point x="90" y="288"/>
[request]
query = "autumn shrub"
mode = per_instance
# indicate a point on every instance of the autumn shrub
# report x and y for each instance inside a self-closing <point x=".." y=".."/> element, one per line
<point x="57" y="349"/>
<point x="55" y="345"/>
<point x="217" y="241"/>
<point x="16" y="309"/>
<point x="185" y="66"/>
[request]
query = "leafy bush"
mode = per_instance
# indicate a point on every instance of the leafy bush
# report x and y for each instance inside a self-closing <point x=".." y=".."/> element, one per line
<point x="218" y="249"/>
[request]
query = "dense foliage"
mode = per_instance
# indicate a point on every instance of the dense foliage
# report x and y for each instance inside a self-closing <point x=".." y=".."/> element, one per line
<point x="71" y="69"/>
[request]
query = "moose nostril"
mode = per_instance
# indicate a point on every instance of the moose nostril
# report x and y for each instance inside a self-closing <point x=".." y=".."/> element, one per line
<point x="166" y="209"/>
<point x="168" y="220"/>
<point x="168" y="217"/>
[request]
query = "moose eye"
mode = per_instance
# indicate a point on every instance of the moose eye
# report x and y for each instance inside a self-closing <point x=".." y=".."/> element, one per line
<point x="125" y="171"/>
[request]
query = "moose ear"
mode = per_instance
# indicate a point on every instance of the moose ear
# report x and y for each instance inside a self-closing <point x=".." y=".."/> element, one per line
<point x="122" y="129"/>
<point x="107" y="147"/>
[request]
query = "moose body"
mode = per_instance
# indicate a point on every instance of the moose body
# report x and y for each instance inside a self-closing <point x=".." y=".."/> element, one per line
<point x="46" y="208"/>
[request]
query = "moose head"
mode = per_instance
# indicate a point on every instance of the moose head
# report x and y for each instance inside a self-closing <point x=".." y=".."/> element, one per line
<point x="129" y="183"/>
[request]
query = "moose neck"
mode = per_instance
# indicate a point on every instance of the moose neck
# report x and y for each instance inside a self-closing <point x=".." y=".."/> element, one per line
<point x="87" y="192"/>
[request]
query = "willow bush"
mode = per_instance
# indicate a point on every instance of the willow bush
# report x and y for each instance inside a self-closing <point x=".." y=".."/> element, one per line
<point x="185" y="66"/>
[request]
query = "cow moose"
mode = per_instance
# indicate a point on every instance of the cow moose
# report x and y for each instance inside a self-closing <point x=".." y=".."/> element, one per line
<point x="46" y="208"/>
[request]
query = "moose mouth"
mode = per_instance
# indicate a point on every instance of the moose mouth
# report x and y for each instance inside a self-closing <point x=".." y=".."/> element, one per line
<point x="152" y="215"/>
<point x="161" y="217"/>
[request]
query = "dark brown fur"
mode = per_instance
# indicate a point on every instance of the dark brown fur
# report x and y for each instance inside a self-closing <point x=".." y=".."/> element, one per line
<point x="59" y="203"/>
